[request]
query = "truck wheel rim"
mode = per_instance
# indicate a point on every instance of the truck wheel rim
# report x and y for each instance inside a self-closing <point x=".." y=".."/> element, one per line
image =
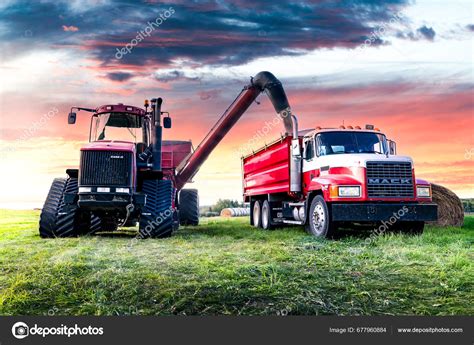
<point x="264" y="216"/>
<point x="318" y="219"/>
<point x="256" y="214"/>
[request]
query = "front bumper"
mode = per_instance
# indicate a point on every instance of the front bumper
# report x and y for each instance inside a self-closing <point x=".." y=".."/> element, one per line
<point x="104" y="201"/>
<point x="372" y="212"/>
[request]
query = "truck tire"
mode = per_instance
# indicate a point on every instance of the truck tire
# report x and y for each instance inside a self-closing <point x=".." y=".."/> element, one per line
<point x="319" y="223"/>
<point x="156" y="219"/>
<point x="257" y="214"/>
<point x="266" y="217"/>
<point x="58" y="220"/>
<point x="188" y="207"/>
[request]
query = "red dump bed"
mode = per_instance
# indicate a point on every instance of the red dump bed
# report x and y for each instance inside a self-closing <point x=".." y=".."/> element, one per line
<point x="267" y="171"/>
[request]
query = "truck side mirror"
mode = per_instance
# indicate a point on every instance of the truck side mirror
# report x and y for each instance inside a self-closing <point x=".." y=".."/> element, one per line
<point x="71" y="118"/>
<point x="167" y="122"/>
<point x="392" y="145"/>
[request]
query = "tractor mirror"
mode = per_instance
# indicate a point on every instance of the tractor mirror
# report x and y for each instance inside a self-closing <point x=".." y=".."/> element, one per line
<point x="392" y="147"/>
<point x="71" y="118"/>
<point x="167" y="122"/>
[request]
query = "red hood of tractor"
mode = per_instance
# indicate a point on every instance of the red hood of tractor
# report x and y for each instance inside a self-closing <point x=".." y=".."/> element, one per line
<point x="109" y="145"/>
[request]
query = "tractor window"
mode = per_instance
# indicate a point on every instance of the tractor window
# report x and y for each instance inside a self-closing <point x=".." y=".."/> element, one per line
<point x="117" y="126"/>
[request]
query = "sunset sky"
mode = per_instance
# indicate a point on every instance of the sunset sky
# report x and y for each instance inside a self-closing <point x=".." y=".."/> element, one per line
<point x="405" y="66"/>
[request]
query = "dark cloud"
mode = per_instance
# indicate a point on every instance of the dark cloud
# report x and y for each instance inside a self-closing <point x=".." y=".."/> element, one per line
<point x="422" y="32"/>
<point x="173" y="75"/>
<point x="470" y="27"/>
<point x="426" y="32"/>
<point x="119" y="76"/>
<point x="206" y="32"/>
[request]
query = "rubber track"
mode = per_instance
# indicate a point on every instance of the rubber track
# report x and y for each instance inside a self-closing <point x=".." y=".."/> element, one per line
<point x="157" y="212"/>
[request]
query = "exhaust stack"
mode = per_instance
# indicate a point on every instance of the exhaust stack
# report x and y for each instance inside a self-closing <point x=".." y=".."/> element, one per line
<point x="156" y="133"/>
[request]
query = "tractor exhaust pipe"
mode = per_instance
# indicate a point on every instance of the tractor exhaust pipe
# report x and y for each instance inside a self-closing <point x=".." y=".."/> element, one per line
<point x="156" y="133"/>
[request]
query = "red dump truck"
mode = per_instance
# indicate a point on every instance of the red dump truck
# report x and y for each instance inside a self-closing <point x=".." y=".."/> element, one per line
<point x="325" y="178"/>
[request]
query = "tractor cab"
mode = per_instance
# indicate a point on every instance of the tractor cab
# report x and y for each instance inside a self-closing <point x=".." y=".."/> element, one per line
<point x="121" y="123"/>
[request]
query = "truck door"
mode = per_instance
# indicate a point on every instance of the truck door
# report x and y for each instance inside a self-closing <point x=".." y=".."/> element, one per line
<point x="310" y="167"/>
<point x="309" y="154"/>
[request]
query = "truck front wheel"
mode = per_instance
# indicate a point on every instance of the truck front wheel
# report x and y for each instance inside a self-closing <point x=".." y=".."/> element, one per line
<point x="319" y="222"/>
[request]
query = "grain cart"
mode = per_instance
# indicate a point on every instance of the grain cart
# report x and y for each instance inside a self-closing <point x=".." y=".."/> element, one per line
<point x="127" y="174"/>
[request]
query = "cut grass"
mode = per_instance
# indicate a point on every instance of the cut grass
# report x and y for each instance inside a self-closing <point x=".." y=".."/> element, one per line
<point x="228" y="267"/>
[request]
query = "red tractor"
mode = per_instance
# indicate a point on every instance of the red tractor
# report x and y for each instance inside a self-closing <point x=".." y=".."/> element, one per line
<point x="127" y="174"/>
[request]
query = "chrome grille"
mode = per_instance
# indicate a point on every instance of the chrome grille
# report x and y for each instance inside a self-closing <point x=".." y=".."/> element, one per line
<point x="105" y="168"/>
<point x="390" y="180"/>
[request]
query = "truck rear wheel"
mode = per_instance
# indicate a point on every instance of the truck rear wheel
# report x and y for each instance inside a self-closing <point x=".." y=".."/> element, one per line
<point x="266" y="217"/>
<point x="257" y="214"/>
<point x="156" y="219"/>
<point x="59" y="220"/>
<point x="319" y="222"/>
<point x="189" y="207"/>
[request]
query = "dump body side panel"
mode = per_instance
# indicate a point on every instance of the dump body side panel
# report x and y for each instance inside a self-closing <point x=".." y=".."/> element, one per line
<point x="268" y="170"/>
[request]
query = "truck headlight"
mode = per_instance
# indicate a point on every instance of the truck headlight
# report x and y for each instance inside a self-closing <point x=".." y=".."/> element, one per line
<point x="349" y="191"/>
<point x="423" y="191"/>
<point x="122" y="190"/>
<point x="85" y="189"/>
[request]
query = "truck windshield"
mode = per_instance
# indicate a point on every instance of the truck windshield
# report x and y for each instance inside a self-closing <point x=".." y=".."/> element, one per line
<point x="330" y="143"/>
<point x="117" y="126"/>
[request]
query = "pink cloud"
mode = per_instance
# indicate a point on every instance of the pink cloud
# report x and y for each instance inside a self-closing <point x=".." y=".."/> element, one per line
<point x="71" y="28"/>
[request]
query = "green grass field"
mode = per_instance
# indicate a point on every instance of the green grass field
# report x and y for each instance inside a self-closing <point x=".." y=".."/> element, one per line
<point x="228" y="267"/>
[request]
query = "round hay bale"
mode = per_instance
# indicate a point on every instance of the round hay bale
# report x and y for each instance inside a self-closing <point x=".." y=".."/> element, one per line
<point x="226" y="212"/>
<point x="450" y="209"/>
<point x="235" y="212"/>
